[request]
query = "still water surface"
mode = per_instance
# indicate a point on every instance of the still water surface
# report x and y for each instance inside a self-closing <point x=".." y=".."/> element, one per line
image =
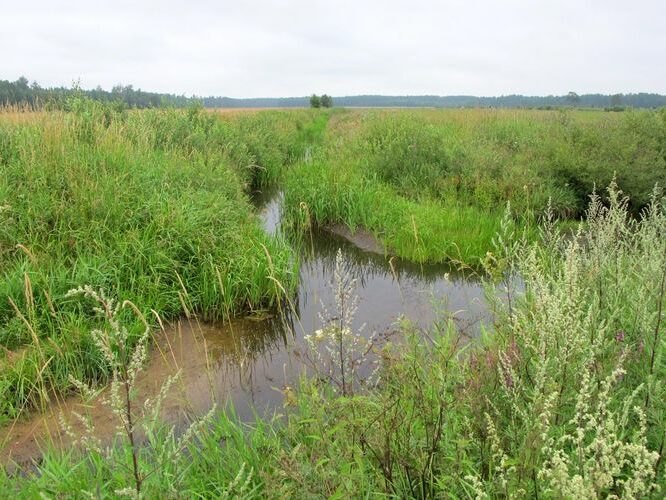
<point x="249" y="362"/>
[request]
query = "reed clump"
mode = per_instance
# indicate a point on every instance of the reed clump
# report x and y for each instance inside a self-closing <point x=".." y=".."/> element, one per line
<point x="152" y="206"/>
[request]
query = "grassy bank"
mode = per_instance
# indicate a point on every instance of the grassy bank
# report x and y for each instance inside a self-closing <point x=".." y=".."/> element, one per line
<point x="564" y="400"/>
<point x="152" y="206"/>
<point x="433" y="184"/>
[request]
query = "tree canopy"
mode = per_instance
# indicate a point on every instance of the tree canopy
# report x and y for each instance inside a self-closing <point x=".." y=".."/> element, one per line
<point x="315" y="101"/>
<point x="20" y="92"/>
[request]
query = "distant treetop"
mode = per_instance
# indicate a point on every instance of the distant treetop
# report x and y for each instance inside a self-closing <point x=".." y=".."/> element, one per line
<point x="315" y="101"/>
<point x="325" y="101"/>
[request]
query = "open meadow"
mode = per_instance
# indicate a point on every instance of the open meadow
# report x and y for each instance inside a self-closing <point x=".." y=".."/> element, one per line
<point x="117" y="227"/>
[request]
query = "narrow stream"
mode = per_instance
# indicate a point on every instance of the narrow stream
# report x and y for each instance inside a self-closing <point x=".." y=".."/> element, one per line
<point x="250" y="362"/>
<point x="388" y="288"/>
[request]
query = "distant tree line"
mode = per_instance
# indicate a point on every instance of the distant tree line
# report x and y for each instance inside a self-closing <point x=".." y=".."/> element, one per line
<point x="640" y="100"/>
<point x="571" y="99"/>
<point x="22" y="91"/>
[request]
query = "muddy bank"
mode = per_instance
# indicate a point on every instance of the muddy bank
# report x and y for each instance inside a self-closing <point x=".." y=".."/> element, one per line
<point x="361" y="238"/>
<point x="218" y="363"/>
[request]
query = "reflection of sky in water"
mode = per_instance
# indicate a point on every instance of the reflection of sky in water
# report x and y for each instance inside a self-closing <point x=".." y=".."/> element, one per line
<point x="385" y="294"/>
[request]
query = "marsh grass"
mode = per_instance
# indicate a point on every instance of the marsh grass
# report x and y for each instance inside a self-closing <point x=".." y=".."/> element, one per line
<point x="152" y="206"/>
<point x="432" y="185"/>
<point x="564" y="397"/>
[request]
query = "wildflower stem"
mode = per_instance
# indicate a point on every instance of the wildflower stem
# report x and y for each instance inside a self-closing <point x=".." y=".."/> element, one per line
<point x="657" y="326"/>
<point x="659" y="314"/>
<point x="341" y="341"/>
<point x="130" y="436"/>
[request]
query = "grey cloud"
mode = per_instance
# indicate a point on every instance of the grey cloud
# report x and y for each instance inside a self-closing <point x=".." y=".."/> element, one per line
<point x="295" y="47"/>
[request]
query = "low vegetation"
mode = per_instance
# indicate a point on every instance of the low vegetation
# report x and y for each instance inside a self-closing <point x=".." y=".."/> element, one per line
<point x="147" y="215"/>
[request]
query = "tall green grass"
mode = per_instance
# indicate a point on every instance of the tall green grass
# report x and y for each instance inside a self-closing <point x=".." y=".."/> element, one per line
<point x="428" y="230"/>
<point x="152" y="206"/>
<point x="432" y="184"/>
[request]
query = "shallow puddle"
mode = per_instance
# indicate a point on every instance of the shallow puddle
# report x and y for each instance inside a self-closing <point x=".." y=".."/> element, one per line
<point x="249" y="362"/>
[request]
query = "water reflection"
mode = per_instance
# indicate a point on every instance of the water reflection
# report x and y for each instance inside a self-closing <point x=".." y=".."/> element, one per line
<point x="388" y="287"/>
<point x="249" y="363"/>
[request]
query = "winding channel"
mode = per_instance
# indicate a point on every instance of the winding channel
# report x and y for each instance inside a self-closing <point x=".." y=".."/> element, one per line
<point x="248" y="363"/>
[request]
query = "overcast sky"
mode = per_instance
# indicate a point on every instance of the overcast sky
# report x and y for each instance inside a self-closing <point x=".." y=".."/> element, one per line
<point x="297" y="47"/>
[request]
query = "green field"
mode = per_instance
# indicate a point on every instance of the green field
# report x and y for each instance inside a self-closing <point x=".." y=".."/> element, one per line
<point x="563" y="397"/>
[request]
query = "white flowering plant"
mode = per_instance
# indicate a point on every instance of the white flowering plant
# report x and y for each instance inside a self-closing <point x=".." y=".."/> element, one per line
<point x="125" y="358"/>
<point x="337" y="350"/>
<point x="578" y="363"/>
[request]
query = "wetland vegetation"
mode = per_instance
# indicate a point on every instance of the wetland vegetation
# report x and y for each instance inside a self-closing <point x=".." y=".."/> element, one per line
<point x="557" y="215"/>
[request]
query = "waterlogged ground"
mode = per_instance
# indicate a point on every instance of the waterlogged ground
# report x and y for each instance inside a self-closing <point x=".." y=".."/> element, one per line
<point x="253" y="362"/>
